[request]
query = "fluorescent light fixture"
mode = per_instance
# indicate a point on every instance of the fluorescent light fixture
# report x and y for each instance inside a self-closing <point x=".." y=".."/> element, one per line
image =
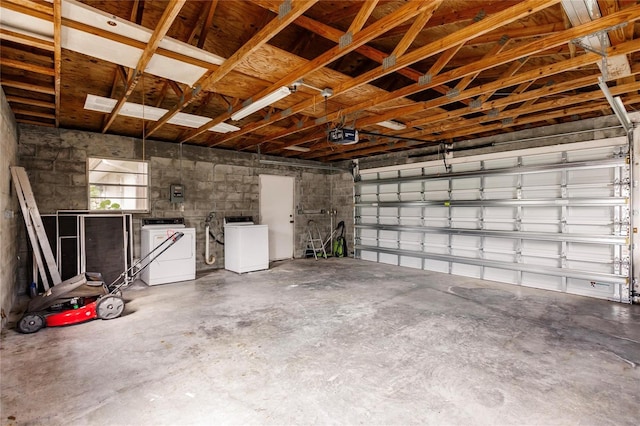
<point x="252" y="107"/>
<point x="297" y="148"/>
<point x="146" y="112"/>
<point x="616" y="105"/>
<point x="391" y="124"/>
<point x="224" y="128"/>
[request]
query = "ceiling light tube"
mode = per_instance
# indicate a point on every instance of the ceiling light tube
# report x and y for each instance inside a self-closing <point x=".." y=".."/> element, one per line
<point x="297" y="148"/>
<point x="252" y="107"/>
<point x="392" y="124"/>
<point x="146" y="112"/>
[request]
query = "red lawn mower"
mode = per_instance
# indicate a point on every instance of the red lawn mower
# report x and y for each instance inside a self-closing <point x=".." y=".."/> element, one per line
<point x="86" y="296"/>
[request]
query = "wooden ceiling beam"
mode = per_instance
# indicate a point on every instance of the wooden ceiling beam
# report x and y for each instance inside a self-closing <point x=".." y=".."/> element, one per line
<point x="211" y="10"/>
<point x="468" y="79"/>
<point x="510" y="72"/>
<point x="590" y="105"/>
<point x="341" y="14"/>
<point x="363" y="14"/>
<point x="466" y="14"/>
<point x="520" y="10"/>
<point x="535" y="107"/>
<point x="28" y="87"/>
<point x="169" y="15"/>
<point x="176" y="88"/>
<point x="569" y="64"/>
<point x="401" y="15"/>
<point x="27" y="40"/>
<point x="274" y="27"/>
<point x="34" y="123"/>
<point x="28" y="7"/>
<point x="38" y="69"/>
<point x="136" y="16"/>
<point x="162" y="95"/>
<point x="535" y="31"/>
<point x="57" y="55"/>
<point x="47" y="12"/>
<point x="410" y="36"/>
<point x="38" y="114"/>
<point x="445" y="57"/>
<point x="518" y="97"/>
<point x="482" y="123"/>
<point x="510" y="55"/>
<point x="31" y="102"/>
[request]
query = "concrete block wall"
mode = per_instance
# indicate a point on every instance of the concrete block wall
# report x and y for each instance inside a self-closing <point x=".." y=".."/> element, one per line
<point x="222" y="182"/>
<point x="10" y="218"/>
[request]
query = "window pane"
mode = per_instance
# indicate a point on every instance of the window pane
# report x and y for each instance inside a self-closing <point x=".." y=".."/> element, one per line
<point x="118" y="184"/>
<point x="122" y="166"/>
<point x="117" y="178"/>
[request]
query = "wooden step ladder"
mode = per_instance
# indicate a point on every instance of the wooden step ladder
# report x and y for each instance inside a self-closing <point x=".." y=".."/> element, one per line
<point x="41" y="248"/>
<point x="316" y="243"/>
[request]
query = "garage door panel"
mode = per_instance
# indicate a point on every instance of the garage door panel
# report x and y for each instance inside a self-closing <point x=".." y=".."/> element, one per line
<point x="541" y="219"/>
<point x="466" y="217"/>
<point x="501" y="163"/>
<point x="592" y="288"/>
<point x="501" y="275"/>
<point x="411" y="262"/>
<point x="547" y="282"/>
<point x="436" y="266"/>
<point x="410" y="216"/>
<point x="500" y="218"/>
<point x="552" y="179"/>
<point x="388" y="239"/>
<point x="436" y="244"/>
<point x="540" y="259"/>
<point x="390" y="259"/>
<point x="369" y="255"/>
<point x="466" y="270"/>
<point x="500" y="249"/>
<point x="542" y="159"/>
<point x="553" y="219"/>
<point x="411" y="241"/>
<point x="602" y="266"/>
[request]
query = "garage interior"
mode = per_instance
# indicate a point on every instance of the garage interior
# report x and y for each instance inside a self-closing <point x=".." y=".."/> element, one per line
<point x="382" y="212"/>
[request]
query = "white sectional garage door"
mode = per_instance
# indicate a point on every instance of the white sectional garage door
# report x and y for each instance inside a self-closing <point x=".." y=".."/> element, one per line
<point x="555" y="218"/>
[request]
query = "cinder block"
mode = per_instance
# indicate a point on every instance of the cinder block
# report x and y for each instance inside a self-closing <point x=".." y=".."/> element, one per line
<point x="33" y="164"/>
<point x="26" y="150"/>
<point x="52" y="153"/>
<point x="53" y="178"/>
<point x="70" y="166"/>
<point x="222" y="169"/>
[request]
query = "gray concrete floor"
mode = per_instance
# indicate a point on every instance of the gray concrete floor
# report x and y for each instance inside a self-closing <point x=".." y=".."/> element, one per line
<point x="335" y="341"/>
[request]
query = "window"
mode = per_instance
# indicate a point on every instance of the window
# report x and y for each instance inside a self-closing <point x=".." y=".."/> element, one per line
<point x="118" y="184"/>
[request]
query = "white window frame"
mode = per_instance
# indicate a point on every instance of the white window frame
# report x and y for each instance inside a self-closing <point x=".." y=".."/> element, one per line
<point x="90" y="184"/>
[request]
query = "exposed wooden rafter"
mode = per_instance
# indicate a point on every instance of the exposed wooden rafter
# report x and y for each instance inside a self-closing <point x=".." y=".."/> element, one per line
<point x="447" y="71"/>
<point x="57" y="55"/>
<point x="169" y="15"/>
<point x="206" y="82"/>
<point x="403" y="14"/>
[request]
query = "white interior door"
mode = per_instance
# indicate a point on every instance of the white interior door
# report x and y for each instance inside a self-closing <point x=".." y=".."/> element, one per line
<point x="276" y="211"/>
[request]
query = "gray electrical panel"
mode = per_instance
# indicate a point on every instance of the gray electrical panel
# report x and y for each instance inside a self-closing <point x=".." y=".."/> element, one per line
<point x="176" y="193"/>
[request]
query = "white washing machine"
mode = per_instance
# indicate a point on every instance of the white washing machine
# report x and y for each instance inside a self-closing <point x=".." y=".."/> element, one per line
<point x="246" y="245"/>
<point x="178" y="262"/>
